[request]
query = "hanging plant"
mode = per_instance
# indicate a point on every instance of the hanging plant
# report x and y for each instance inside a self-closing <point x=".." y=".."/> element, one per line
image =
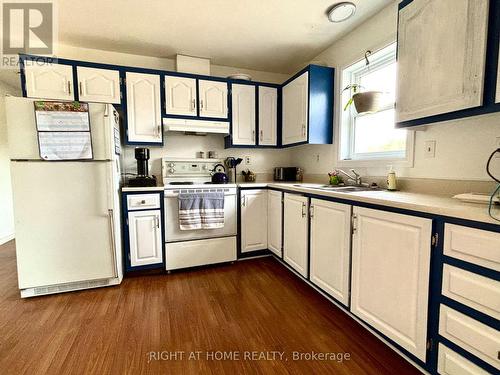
<point x="364" y="102"/>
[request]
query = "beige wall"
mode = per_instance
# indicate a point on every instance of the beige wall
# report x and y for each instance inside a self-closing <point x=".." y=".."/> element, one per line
<point x="6" y="213"/>
<point x="462" y="146"/>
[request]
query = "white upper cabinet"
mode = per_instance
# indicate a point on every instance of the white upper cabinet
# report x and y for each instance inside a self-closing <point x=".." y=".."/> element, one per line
<point x="295" y="227"/>
<point x="243" y="114"/>
<point x="213" y="98"/>
<point x="268" y="115"/>
<point x="143" y="108"/>
<point x="98" y="85"/>
<point x="274" y="221"/>
<point x="330" y="248"/>
<point x="295" y="110"/>
<point x="146" y="245"/>
<point x="52" y="81"/>
<point x="180" y="96"/>
<point x="253" y="220"/>
<point x="390" y="275"/>
<point x="440" y="65"/>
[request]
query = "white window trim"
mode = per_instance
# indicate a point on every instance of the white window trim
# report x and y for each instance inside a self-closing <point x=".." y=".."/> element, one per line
<point x="342" y="131"/>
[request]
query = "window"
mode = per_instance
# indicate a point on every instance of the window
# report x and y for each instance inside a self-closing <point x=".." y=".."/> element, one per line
<point x="372" y="136"/>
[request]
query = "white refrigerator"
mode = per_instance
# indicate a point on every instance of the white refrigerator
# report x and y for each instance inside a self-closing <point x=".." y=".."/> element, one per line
<point x="67" y="213"/>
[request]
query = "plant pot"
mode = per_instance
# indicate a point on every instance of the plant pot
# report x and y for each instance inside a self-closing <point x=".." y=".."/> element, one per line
<point x="368" y="102"/>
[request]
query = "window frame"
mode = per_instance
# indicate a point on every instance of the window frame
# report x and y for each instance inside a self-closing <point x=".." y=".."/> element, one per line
<point x="351" y="73"/>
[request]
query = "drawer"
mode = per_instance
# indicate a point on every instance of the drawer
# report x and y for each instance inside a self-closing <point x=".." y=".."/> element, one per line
<point x="199" y="253"/>
<point x="477" y="292"/>
<point x="471" y="335"/>
<point x="452" y="363"/>
<point x="143" y="201"/>
<point x="476" y="246"/>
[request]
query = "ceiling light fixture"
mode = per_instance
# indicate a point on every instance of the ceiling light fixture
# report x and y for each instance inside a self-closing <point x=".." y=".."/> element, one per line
<point x="341" y="11"/>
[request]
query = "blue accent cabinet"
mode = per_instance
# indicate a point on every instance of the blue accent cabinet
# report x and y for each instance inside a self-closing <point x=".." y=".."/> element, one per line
<point x="307" y="107"/>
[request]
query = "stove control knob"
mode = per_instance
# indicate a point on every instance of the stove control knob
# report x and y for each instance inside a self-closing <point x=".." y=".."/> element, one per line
<point x="171" y="170"/>
<point x="204" y="167"/>
<point x="171" y="164"/>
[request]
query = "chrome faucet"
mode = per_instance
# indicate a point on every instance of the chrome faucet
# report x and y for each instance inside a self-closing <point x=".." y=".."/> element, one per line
<point x="356" y="177"/>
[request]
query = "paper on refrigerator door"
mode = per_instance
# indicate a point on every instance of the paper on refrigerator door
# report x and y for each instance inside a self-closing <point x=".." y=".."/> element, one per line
<point x="65" y="145"/>
<point x="62" y="116"/>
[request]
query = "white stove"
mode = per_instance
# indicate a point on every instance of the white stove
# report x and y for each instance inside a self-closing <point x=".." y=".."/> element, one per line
<point x="189" y="248"/>
<point x="189" y="172"/>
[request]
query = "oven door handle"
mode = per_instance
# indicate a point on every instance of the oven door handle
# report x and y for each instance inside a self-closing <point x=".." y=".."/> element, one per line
<point x="175" y="195"/>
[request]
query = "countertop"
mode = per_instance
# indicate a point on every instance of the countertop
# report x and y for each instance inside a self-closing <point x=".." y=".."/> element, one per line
<point x="432" y="204"/>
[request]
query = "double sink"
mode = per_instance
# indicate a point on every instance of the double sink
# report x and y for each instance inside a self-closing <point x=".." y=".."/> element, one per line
<point x="340" y="189"/>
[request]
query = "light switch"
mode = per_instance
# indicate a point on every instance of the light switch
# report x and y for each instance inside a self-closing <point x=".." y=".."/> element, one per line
<point x="430" y="149"/>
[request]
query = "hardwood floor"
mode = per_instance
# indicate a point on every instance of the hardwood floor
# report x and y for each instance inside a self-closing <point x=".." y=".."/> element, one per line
<point x="254" y="305"/>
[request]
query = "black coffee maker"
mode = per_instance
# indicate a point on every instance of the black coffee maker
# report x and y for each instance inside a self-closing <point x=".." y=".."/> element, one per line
<point x="142" y="179"/>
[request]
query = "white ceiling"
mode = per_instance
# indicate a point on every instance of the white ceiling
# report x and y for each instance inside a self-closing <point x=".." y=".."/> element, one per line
<point x="269" y="35"/>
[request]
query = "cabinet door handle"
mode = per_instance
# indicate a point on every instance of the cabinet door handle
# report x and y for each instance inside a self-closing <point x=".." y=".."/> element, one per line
<point x="261" y="135"/>
<point x="304" y="130"/>
<point x="157" y="222"/>
<point x="69" y="87"/>
<point x="193" y="104"/>
<point x="158" y="131"/>
<point x="243" y="201"/>
<point x="253" y="135"/>
<point x="80" y="88"/>
<point x="304" y="210"/>
<point x="201" y="104"/>
<point x="311" y="211"/>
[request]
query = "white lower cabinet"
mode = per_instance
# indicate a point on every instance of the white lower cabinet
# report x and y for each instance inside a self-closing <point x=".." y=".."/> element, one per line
<point x="295" y="232"/>
<point x="274" y="221"/>
<point x="145" y="237"/>
<point x="330" y="247"/>
<point x="390" y="275"/>
<point x="475" y="337"/>
<point x="253" y="220"/>
<point x="451" y="363"/>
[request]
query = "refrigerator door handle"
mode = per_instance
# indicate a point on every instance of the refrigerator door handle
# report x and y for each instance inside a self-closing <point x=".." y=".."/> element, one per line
<point x="111" y="222"/>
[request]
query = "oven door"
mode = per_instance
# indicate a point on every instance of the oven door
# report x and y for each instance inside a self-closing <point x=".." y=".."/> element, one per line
<point x="174" y="234"/>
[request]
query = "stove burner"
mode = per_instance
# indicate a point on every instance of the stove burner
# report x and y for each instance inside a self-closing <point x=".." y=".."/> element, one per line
<point x="181" y="183"/>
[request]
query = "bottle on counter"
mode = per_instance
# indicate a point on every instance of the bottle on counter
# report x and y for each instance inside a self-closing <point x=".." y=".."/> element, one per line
<point x="391" y="180"/>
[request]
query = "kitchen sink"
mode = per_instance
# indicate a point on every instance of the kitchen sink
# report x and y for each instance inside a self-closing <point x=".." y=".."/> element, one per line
<point x="342" y="189"/>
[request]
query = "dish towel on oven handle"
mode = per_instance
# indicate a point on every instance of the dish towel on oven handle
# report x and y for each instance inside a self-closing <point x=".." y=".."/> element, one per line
<point x="201" y="210"/>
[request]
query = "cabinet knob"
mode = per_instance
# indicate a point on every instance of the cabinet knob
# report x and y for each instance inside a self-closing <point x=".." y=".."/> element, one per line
<point x="143" y="201"/>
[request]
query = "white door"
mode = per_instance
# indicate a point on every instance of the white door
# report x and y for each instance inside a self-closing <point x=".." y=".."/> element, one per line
<point x="53" y="81"/>
<point x="145" y="237"/>
<point x="243" y="114"/>
<point x="295" y="109"/>
<point x="295" y="228"/>
<point x="435" y="77"/>
<point x="330" y="248"/>
<point x="274" y="221"/>
<point x="180" y="96"/>
<point x="143" y="108"/>
<point x="98" y="85"/>
<point x="390" y="275"/>
<point x="268" y="115"/>
<point x="253" y="220"/>
<point x="213" y="99"/>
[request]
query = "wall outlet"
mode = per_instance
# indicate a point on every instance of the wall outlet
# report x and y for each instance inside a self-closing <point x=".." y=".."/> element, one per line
<point x="430" y="149"/>
<point x="248" y="160"/>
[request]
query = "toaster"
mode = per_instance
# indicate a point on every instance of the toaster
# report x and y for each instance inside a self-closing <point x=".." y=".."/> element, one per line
<point x="287" y="174"/>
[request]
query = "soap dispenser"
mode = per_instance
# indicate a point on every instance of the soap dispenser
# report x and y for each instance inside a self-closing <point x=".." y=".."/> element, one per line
<point x="391" y="180"/>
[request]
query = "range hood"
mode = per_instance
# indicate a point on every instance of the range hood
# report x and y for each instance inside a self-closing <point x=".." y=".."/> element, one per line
<point x="195" y="126"/>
